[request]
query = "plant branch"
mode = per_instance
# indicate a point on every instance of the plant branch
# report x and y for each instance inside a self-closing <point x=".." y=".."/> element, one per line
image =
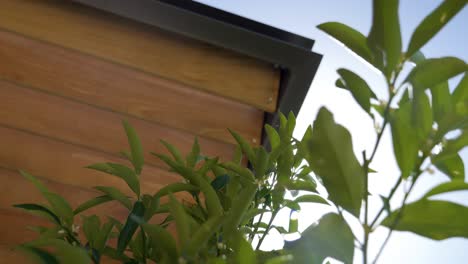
<point x="366" y="206"/>
<point x="395" y="223"/>
<point x="252" y="235"/>
<point x="267" y="229"/>
<point x="390" y="195"/>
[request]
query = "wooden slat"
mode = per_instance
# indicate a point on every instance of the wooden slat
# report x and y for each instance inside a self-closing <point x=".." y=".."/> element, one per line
<point x="136" y="45"/>
<point x="92" y="127"/>
<point x="84" y="78"/>
<point x="64" y="163"/>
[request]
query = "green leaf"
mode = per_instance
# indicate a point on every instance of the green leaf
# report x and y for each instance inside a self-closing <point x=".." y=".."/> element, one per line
<point x="386" y="204"/>
<point x="238" y="210"/>
<point x="447" y="187"/>
<point x="421" y="116"/>
<point x="433" y="23"/>
<point x="208" y="165"/>
<point x="458" y="143"/>
<point x="332" y="237"/>
<point x="151" y="204"/>
<point x="137" y="246"/>
<point x="452" y="166"/>
<point x="351" y="38"/>
<point x="441" y="101"/>
<point x="60" y="207"/>
<point x="92" y="203"/>
<point x="130" y="226"/>
<point x="385" y="37"/>
<point x="161" y="238"/>
<point x="212" y="202"/>
<point x="176" y="187"/>
<point x="460" y="94"/>
<point x="245" y="173"/>
<point x="291" y="123"/>
<point x="252" y="213"/>
<point x="417" y="57"/>
<point x="301" y="185"/>
<point x="40" y="256"/>
<point x="174" y="152"/>
<point x="273" y="136"/>
<point x="432" y="219"/>
<point x="181" y="220"/>
<point x="237" y="159"/>
<point x="193" y="156"/>
<point x="245" y="146"/>
<point x="432" y="72"/>
<point x="293" y="205"/>
<point x="91" y="228"/>
<point x="39" y="208"/>
<point x="220" y="182"/>
<point x="331" y="157"/>
<point x="39" y="185"/>
<point x="284" y="128"/>
<point x="285" y="164"/>
<point x="405" y="139"/>
<point x="203" y="234"/>
<point x="126" y="155"/>
<point x="261" y="162"/>
<point x="103" y="235"/>
<point x="116" y="195"/>
<point x="358" y="88"/>
<point x="243" y="251"/>
<point x="135" y="147"/>
<point x="311" y="198"/>
<point x="113" y="254"/>
<point x="64" y="252"/>
<point x="121" y="171"/>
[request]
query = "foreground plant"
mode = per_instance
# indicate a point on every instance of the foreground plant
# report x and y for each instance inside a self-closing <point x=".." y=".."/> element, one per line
<point x="428" y="124"/>
<point x="231" y="209"/>
<point x="218" y="222"/>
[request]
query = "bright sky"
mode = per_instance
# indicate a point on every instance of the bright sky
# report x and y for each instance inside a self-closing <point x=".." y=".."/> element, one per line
<point x="302" y="17"/>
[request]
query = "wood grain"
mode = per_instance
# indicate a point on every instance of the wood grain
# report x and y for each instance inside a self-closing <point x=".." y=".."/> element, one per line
<point x="120" y="89"/>
<point x="64" y="163"/>
<point x="92" y="127"/>
<point x="146" y="48"/>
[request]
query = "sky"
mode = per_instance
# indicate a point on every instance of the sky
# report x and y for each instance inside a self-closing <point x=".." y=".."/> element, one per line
<point x="302" y="17"/>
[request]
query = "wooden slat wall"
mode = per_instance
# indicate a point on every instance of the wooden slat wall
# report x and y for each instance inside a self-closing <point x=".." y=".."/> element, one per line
<point x="119" y="40"/>
<point x="86" y="79"/>
<point x="69" y="75"/>
<point x="84" y="125"/>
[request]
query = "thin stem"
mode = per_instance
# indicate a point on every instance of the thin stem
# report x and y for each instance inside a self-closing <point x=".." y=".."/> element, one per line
<point x="366" y="206"/>
<point x="395" y="223"/>
<point x="390" y="195"/>
<point x="252" y="235"/>
<point x="267" y="229"/>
